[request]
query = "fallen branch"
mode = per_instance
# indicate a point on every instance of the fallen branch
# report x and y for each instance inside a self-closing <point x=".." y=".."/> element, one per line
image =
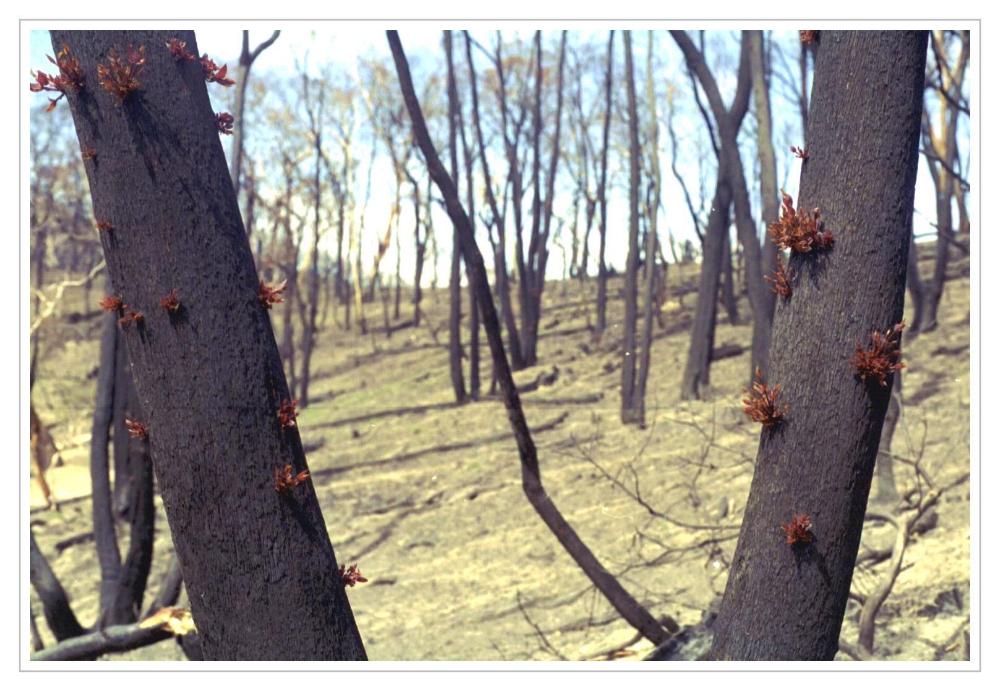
<point x="114" y="639"/>
<point x="162" y="625"/>
<point x="905" y="521"/>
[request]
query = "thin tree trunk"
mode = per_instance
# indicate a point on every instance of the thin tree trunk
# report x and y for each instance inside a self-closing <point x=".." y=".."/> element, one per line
<point x="247" y="58"/>
<point x="886" y="492"/>
<point x="209" y="375"/>
<point x="786" y="601"/>
<point x="127" y="603"/>
<point x="629" y="414"/>
<point x="105" y="540"/>
<point x="455" y="281"/>
<point x="728" y="291"/>
<point x="602" y="198"/>
<point x="694" y="384"/>
<point x="623" y="602"/>
<point x="760" y="70"/>
<point x="55" y="604"/>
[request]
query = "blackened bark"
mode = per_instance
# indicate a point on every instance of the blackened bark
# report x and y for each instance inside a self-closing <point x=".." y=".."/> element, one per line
<point x="623" y="602"/>
<point x="533" y="280"/>
<point x="209" y="376"/>
<point x="499" y="220"/>
<point x="653" y="272"/>
<point x="119" y="434"/>
<point x="455" y="281"/>
<point x="420" y="251"/>
<point x="474" y="377"/>
<point x="55" y="604"/>
<point x="629" y="414"/>
<point x="602" y="198"/>
<point x="694" y="383"/>
<point x="105" y="540"/>
<point x="170" y="588"/>
<point x="786" y="602"/>
<point x="729" y="122"/>
<point x="915" y="286"/>
<point x="886" y="492"/>
<point x="728" y="288"/>
<point x="127" y="603"/>
<point x="310" y="309"/>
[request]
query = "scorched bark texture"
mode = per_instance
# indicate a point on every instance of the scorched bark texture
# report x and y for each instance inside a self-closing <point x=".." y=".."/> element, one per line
<point x="784" y="601"/>
<point x="259" y="567"/>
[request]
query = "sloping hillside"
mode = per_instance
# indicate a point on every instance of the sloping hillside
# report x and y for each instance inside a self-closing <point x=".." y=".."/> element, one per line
<point x="426" y="496"/>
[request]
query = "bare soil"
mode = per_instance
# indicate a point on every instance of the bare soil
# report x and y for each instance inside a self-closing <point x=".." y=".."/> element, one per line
<point x="425" y="496"/>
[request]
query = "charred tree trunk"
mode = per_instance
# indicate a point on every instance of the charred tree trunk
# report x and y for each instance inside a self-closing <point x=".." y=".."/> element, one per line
<point x="653" y="272"/>
<point x="695" y="381"/>
<point x="623" y="602"/>
<point x="786" y="601"/>
<point x="886" y="492"/>
<point x="602" y="197"/>
<point x="499" y="220"/>
<point x="455" y="281"/>
<point x="629" y="414"/>
<point x="247" y="58"/>
<point x="208" y="374"/>
<point x="729" y="122"/>
<point x="127" y="603"/>
<point x="915" y="287"/>
<point x="119" y="435"/>
<point x="55" y="603"/>
<point x="105" y="539"/>
<point x="728" y="287"/>
<point x="420" y="251"/>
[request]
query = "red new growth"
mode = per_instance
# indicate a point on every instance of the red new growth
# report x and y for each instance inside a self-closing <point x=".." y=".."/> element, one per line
<point x="136" y="429"/>
<point x="761" y="403"/>
<point x="799" y="231"/>
<point x="287" y="412"/>
<point x="120" y="77"/>
<point x="800" y="153"/>
<point x="881" y="358"/>
<point x="171" y="302"/>
<point x="214" y="73"/>
<point x="798" y="531"/>
<point x="781" y="280"/>
<point x="285" y="479"/>
<point x="131" y="316"/>
<point x="271" y="294"/>
<point x="224" y="123"/>
<point x="112" y="303"/>
<point x="178" y="49"/>
<point x="70" y="77"/>
<point x="351" y="576"/>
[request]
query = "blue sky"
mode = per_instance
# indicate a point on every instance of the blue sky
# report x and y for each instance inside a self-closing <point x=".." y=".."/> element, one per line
<point x="340" y="46"/>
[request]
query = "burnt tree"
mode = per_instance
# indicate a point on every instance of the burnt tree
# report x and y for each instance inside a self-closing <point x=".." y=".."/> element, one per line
<point x="208" y="373"/>
<point x="631" y="610"/>
<point x="629" y="409"/>
<point x="786" y="601"/>
<point x="728" y="122"/>
<point x="602" y="197"/>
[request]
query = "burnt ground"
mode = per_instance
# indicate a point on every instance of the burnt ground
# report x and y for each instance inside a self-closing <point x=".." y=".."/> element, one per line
<point x="425" y="496"/>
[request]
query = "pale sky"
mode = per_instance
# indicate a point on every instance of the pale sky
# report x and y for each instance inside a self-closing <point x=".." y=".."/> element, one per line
<point x="340" y="46"/>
